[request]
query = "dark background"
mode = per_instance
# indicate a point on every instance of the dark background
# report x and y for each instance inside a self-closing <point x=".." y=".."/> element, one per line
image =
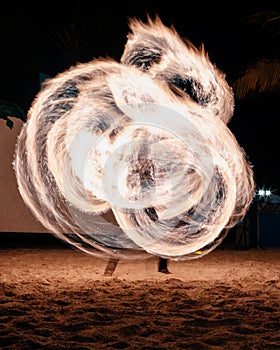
<point x="29" y="46"/>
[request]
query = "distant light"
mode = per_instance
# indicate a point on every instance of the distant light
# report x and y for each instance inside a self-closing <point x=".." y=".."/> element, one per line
<point x="264" y="193"/>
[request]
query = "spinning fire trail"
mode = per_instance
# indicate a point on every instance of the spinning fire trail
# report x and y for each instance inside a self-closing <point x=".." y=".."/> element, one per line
<point x="133" y="158"/>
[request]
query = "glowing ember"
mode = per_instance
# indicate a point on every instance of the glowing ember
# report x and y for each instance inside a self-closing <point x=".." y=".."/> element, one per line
<point x="129" y="158"/>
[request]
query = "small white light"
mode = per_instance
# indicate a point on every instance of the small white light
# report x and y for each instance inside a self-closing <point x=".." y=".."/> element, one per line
<point x="267" y="192"/>
<point x="261" y="192"/>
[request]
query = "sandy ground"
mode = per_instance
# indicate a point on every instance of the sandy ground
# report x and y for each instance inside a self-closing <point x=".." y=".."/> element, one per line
<point x="54" y="297"/>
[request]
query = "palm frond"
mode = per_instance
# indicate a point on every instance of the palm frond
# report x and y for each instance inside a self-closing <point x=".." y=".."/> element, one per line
<point x="70" y="36"/>
<point x="262" y="77"/>
<point x="10" y="109"/>
<point x="268" y="21"/>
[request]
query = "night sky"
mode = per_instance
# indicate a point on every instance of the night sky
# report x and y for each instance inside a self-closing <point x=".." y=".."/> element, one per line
<point x="29" y="47"/>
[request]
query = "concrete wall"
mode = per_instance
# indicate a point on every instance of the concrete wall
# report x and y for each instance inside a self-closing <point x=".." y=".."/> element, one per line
<point x="14" y="215"/>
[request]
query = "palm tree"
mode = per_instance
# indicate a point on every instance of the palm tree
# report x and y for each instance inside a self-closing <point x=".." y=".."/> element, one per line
<point x="263" y="75"/>
<point x="10" y="109"/>
<point x="70" y="40"/>
<point x="73" y="37"/>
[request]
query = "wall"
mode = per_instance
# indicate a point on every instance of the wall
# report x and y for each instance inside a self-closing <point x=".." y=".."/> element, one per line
<point x="14" y="215"/>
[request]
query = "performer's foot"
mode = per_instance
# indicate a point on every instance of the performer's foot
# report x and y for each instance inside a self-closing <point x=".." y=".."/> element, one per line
<point x="111" y="266"/>
<point x="162" y="266"/>
<point x="164" y="271"/>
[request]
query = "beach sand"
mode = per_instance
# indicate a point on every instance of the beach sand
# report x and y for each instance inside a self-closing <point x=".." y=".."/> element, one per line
<point x="55" y="297"/>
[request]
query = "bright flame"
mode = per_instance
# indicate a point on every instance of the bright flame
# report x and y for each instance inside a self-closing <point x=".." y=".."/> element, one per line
<point x="135" y="157"/>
